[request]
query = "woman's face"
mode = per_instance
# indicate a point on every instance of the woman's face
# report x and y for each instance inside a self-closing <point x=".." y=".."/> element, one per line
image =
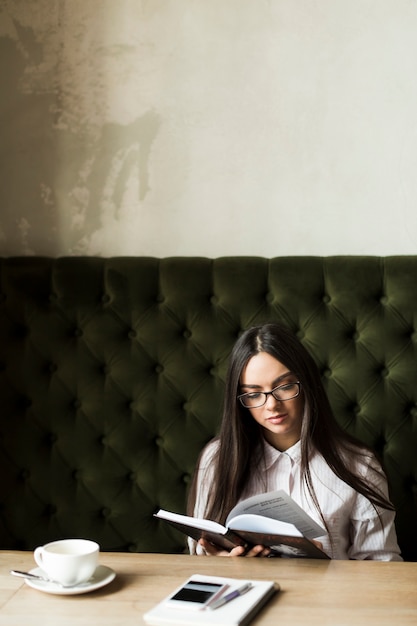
<point x="280" y="420"/>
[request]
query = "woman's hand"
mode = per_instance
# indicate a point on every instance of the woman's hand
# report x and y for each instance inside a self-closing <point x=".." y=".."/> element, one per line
<point x="211" y="550"/>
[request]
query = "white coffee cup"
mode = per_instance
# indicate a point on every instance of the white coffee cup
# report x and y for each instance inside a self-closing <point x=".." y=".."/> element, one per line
<point x="69" y="561"/>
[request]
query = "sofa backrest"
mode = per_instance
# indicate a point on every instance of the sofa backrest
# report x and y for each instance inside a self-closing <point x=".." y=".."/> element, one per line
<point x="112" y="374"/>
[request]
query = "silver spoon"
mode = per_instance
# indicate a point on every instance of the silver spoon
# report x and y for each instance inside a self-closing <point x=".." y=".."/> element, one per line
<point x="20" y="574"/>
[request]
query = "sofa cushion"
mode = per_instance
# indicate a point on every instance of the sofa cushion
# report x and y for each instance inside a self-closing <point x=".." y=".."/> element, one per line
<point x="112" y="374"/>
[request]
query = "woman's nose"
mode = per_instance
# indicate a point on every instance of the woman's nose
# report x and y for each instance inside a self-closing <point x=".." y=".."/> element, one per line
<point x="271" y="401"/>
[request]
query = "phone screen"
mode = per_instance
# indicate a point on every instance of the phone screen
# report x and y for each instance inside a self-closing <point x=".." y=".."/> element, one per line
<point x="197" y="591"/>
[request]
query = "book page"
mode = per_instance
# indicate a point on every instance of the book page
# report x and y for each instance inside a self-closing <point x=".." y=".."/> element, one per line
<point x="280" y="506"/>
<point x="261" y="524"/>
<point x="194" y="522"/>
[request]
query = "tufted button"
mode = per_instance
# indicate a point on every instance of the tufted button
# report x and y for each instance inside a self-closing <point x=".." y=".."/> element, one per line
<point x="131" y="547"/>
<point x="105" y="370"/>
<point x="327" y="372"/>
<point x="186" y="479"/>
<point x="383" y="300"/>
<point x="105" y="512"/>
<point x="24" y="474"/>
<point x="186" y="334"/>
<point x="384" y="372"/>
<point x="105" y="298"/>
<point x="326" y="299"/>
<point x="213" y="300"/>
<point x="21" y="331"/>
<point x="269" y="297"/>
<point x="76" y="404"/>
<point x="132" y="334"/>
<point x="52" y="368"/>
<point x="159" y="441"/>
<point x="77" y="332"/>
<point x="51" y="438"/>
<point x="160" y="298"/>
<point x="76" y="474"/>
<point x="53" y="298"/>
<point x="24" y="402"/>
<point x="50" y="510"/>
<point x="159" y="369"/>
<point x="379" y="444"/>
<point x="355" y="335"/>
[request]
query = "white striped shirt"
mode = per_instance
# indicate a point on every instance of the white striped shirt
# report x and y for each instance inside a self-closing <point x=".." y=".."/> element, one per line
<point x="355" y="530"/>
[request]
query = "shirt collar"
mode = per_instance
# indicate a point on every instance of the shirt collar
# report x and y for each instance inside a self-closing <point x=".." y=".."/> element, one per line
<point x="272" y="454"/>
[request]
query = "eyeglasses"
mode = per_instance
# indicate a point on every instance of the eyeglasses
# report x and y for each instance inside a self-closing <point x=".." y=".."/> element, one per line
<point x="256" y="399"/>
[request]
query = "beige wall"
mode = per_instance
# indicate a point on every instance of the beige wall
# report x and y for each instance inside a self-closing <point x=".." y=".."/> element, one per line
<point x="208" y="127"/>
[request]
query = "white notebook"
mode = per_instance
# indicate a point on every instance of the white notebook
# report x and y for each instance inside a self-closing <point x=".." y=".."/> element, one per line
<point x="238" y="612"/>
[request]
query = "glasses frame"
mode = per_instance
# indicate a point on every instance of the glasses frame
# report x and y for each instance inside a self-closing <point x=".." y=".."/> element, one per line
<point x="270" y="393"/>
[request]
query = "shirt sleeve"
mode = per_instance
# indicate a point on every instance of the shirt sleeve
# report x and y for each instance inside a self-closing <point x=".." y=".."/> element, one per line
<point x="204" y="473"/>
<point x="373" y="541"/>
<point x="373" y="534"/>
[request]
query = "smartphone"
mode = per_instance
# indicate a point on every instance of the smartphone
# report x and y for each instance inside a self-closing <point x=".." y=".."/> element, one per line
<point x="196" y="594"/>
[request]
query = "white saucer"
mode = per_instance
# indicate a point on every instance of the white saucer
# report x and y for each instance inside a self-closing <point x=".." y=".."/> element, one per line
<point x="102" y="576"/>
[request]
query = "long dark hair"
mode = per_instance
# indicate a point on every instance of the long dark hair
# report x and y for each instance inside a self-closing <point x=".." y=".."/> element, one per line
<point x="239" y="450"/>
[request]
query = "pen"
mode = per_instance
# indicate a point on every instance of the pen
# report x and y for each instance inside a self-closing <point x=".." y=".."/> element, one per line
<point x="231" y="596"/>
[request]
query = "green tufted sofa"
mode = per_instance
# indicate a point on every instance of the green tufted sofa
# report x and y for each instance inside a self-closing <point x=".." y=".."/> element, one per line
<point x="112" y="374"/>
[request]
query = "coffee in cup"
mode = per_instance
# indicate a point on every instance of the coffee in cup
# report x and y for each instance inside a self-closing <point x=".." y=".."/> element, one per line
<point x="69" y="561"/>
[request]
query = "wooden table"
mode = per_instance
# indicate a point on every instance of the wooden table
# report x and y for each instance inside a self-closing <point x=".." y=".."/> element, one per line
<point x="336" y="593"/>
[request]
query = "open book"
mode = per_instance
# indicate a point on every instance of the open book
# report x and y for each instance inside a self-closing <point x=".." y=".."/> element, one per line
<point x="272" y="519"/>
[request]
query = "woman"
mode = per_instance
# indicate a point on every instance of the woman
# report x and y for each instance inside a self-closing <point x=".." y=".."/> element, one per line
<point x="278" y="432"/>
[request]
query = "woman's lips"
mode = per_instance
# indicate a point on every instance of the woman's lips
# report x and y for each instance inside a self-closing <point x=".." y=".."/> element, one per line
<point x="277" y="419"/>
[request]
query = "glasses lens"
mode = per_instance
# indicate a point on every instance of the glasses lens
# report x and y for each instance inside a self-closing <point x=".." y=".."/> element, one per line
<point x="255" y="399"/>
<point x="286" y="392"/>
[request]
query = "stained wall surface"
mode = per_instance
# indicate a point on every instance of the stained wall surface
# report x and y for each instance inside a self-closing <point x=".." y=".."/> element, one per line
<point x="196" y="127"/>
